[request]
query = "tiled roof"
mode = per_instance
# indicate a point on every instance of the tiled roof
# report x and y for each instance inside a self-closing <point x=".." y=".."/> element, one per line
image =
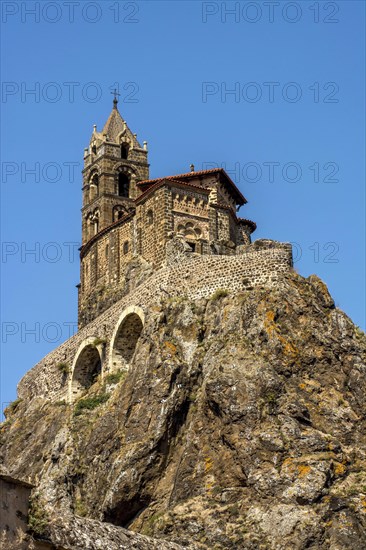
<point x="159" y="182"/>
<point x="186" y="174"/>
<point x="252" y="224"/>
<point x="238" y="195"/>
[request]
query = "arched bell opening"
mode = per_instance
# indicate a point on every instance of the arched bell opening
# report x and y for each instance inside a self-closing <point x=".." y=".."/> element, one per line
<point x="123" y="185"/>
<point x="124" y="150"/>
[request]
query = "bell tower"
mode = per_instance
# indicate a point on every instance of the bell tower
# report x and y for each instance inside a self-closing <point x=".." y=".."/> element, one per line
<point x="113" y="164"/>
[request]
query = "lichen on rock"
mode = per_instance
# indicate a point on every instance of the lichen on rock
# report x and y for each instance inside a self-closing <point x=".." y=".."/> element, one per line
<point x="239" y="424"/>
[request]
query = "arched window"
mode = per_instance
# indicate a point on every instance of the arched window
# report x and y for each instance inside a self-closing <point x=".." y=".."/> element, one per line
<point x="89" y="226"/>
<point x="192" y="234"/>
<point x="118" y="213"/>
<point x="124" y="150"/>
<point x="94" y="187"/>
<point x="123" y="185"/>
<point x="95" y="221"/>
<point x="87" y="367"/>
<point x="106" y="251"/>
<point x="125" y="247"/>
<point x="150" y="217"/>
<point x="94" y="149"/>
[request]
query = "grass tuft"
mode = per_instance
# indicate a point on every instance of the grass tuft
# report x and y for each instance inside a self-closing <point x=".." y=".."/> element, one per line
<point x="90" y="403"/>
<point x="219" y="293"/>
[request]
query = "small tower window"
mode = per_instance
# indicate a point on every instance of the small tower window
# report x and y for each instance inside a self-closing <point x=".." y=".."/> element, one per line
<point x="150" y="217"/>
<point x="95" y="221"/>
<point x="118" y="213"/>
<point x="94" y="187"/>
<point x="124" y="150"/>
<point x="123" y="185"/>
<point x="125" y="247"/>
<point x="96" y="226"/>
<point x="94" y="149"/>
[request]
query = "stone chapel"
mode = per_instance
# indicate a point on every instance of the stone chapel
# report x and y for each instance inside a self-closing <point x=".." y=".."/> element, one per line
<point x="126" y="215"/>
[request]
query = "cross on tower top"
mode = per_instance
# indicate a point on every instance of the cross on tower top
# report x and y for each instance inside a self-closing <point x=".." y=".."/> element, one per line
<point x="115" y="98"/>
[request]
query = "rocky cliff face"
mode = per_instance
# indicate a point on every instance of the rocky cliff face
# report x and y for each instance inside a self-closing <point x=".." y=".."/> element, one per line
<point x="240" y="424"/>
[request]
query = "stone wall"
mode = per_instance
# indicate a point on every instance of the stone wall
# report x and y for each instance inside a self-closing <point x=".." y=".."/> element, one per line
<point x="117" y="227"/>
<point x="14" y="498"/>
<point x="208" y="227"/>
<point x="62" y="532"/>
<point x="188" y="274"/>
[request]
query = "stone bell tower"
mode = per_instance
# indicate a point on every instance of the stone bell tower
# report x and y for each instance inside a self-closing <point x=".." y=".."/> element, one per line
<point x="113" y="164"/>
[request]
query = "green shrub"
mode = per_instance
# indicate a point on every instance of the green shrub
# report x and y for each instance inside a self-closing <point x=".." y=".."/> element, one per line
<point x="12" y="407"/>
<point x="359" y="332"/>
<point x="219" y="293"/>
<point x="115" y="377"/>
<point x="90" y="403"/>
<point x="79" y="508"/>
<point x="98" y="341"/>
<point x="37" y="517"/>
<point x="63" y="367"/>
<point x="271" y="397"/>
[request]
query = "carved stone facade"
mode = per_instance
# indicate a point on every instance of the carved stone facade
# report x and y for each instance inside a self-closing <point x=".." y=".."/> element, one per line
<point x="125" y="215"/>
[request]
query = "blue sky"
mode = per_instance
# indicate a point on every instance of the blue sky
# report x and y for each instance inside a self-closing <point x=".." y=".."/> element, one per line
<point x="274" y="92"/>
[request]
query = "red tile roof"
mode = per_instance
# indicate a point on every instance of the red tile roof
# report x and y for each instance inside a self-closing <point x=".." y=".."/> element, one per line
<point x="240" y="199"/>
<point x="251" y="224"/>
<point x="159" y="182"/>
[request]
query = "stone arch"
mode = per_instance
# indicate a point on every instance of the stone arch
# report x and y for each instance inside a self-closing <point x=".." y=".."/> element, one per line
<point x="95" y="221"/>
<point x="86" y="367"/>
<point x="192" y="233"/>
<point x="118" y="212"/>
<point x="93" y="186"/>
<point x="125" y="337"/>
<point x="125" y="137"/>
<point x="121" y="167"/>
<point x="89" y="224"/>
<point x="125" y="148"/>
<point x="125" y="172"/>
